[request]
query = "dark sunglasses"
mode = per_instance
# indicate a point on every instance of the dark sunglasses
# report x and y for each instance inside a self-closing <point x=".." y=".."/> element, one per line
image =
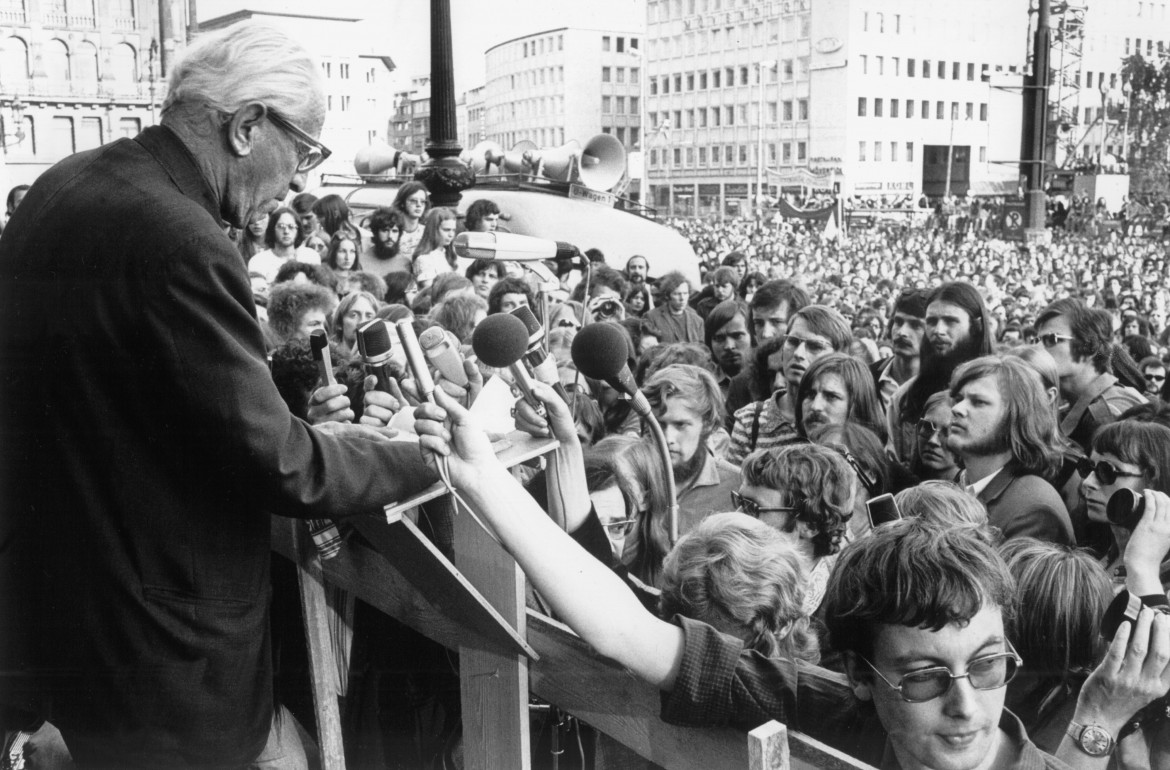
<point x="752" y="508"/>
<point x="1107" y="474"/>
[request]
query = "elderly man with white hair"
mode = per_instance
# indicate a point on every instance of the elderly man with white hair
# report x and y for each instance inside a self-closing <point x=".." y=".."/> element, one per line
<point x="144" y="443"/>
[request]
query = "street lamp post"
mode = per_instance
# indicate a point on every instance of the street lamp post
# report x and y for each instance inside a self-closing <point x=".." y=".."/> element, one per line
<point x="769" y="64"/>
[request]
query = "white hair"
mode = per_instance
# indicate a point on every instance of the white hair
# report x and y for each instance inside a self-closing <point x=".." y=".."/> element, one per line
<point x="246" y="62"/>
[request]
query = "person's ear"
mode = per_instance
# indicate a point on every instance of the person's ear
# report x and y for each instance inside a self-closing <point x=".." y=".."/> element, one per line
<point x="859" y="675"/>
<point x="241" y="128"/>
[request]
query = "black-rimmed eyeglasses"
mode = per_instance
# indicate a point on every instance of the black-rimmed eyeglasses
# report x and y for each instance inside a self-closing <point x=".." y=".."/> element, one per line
<point x="310" y="153"/>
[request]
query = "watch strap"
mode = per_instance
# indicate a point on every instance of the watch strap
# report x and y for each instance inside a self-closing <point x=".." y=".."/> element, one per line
<point x="1077" y="732"/>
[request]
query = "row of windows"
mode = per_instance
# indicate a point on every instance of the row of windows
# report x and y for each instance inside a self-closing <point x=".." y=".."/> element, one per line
<point x="941" y="69"/>
<point x="544" y="137"/>
<point x="617" y="105"/>
<point x="61" y="135"/>
<point x="342" y="70"/>
<point x="618" y="74"/>
<point x="545" y="105"/>
<point x="879" y="23"/>
<point x="122" y="9"/>
<point x="543" y="45"/>
<point x="536" y="77"/>
<point x="863" y="154"/>
<point x="61" y="64"/>
<point x="924" y="111"/>
<point x="727" y="155"/>
<point x="720" y="38"/>
<point x="618" y="43"/>
<point x="732" y="114"/>
<point x="727" y="77"/>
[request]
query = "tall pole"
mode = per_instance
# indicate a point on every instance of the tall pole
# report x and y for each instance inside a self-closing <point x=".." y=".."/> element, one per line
<point x="760" y="140"/>
<point x="444" y="174"/>
<point x="1035" y="128"/>
<point x="950" y="157"/>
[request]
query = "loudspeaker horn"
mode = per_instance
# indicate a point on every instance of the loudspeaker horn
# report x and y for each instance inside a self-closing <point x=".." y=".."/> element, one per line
<point x="376" y="159"/>
<point x="483" y="154"/>
<point x="556" y="163"/>
<point x="512" y="162"/>
<point x="603" y="161"/>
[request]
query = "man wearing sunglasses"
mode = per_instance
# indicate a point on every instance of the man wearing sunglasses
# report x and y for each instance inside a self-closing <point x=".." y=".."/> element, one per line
<point x="1080" y="339"/>
<point x="145" y="444"/>
<point x="1154" y="372"/>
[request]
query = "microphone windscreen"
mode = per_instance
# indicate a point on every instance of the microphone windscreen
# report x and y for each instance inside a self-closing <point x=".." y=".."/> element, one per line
<point x="525" y="314"/>
<point x="374" y="339"/>
<point x="500" y="340"/>
<point x="318" y="340"/>
<point x="432" y="337"/>
<point x="599" y="350"/>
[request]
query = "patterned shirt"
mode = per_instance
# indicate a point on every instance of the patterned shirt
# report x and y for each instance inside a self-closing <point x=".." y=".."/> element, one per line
<point x="774" y="429"/>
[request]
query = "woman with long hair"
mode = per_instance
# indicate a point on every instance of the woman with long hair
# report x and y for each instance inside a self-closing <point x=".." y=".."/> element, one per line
<point x="411" y="203"/>
<point x="434" y="253"/>
<point x="343" y="255"/>
<point x="355" y="310"/>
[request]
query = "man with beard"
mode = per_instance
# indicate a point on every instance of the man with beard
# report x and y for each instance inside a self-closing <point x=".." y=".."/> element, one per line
<point x="382" y="257"/>
<point x="906" y="330"/>
<point x="957" y="323"/>
<point x="726" y="330"/>
<point x="813" y="332"/>
<point x="1003" y="431"/>
<point x="688" y="405"/>
<point x="1080" y="339"/>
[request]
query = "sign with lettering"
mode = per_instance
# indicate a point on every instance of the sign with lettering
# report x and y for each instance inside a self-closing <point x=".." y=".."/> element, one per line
<point x="582" y="193"/>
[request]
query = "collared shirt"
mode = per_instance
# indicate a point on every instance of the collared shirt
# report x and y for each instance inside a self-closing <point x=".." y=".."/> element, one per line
<point x="774" y="429"/>
<point x="709" y="492"/>
<point x="980" y="485"/>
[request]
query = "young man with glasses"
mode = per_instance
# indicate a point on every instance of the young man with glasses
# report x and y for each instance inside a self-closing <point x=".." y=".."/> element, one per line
<point x="917" y="610"/>
<point x="1080" y="339"/>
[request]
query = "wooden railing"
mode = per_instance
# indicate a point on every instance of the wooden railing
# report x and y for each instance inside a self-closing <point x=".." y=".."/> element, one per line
<point x="476" y="606"/>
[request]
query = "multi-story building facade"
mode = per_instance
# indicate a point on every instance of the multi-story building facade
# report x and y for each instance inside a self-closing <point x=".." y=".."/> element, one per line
<point x="565" y="84"/>
<point x="75" y="74"/>
<point x="411" y="124"/>
<point x="877" y="98"/>
<point x="474" y="129"/>
<point x="356" y="71"/>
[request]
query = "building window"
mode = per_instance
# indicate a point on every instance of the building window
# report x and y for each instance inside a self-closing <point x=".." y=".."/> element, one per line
<point x="881" y="64"/>
<point x="803" y="111"/>
<point x="730" y="115"/>
<point x="606" y="104"/>
<point x="926" y="68"/>
<point x="861" y="101"/>
<point x="910" y="68"/>
<point x="621" y="45"/>
<point x="801" y="150"/>
<point x="786" y="110"/>
<point x="654" y="86"/>
<point x="970" y="111"/>
<point x="703" y="80"/>
<point x="877" y="108"/>
<point x="715" y="155"/>
<point x="926" y="109"/>
<point x="89" y="134"/>
<point x="910" y="152"/>
<point x="620" y="105"/>
<point x="970" y="71"/>
<point x="893" y="108"/>
<point x="743" y="153"/>
<point x="864" y="64"/>
<point x="633" y="105"/>
<point x="894" y="152"/>
<point x="861" y="151"/>
<point x="787" y="64"/>
<point x="942" y="70"/>
<point x="691" y="82"/>
<point x="61" y="139"/>
<point x="982" y="154"/>
<point x="877" y="151"/>
<point x="909" y="108"/>
<point x="956" y="71"/>
<point x="715" y="77"/>
<point x="621" y="74"/>
<point x="940" y="111"/>
<point x="606" y="75"/>
<point x="744" y="79"/>
<point x="702" y="156"/>
<point x="786" y="152"/>
<point x="983" y="111"/>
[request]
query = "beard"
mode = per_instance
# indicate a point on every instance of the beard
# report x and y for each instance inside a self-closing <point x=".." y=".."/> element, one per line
<point x="995" y="442"/>
<point x="939" y="367"/>
<point x="385" y="251"/>
<point x="688" y="469"/>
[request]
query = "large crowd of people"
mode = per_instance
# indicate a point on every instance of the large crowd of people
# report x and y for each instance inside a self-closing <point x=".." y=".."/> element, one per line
<point x="900" y="457"/>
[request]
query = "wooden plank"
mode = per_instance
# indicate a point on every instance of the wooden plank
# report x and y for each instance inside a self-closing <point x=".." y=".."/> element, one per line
<point x="322" y="666"/>
<point x="571" y="675"/>
<point x="512" y="449"/>
<point x="493" y="684"/>
<point x="404" y="576"/>
<point x="768" y="747"/>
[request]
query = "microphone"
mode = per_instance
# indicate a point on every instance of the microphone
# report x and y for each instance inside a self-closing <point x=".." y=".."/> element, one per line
<point x="415" y="360"/>
<point x="319" y="342"/>
<point x="500" y="341"/>
<point x="442" y="350"/>
<point x="511" y="247"/>
<point x="374" y="347"/>
<point x="543" y="365"/>
<point x="599" y="352"/>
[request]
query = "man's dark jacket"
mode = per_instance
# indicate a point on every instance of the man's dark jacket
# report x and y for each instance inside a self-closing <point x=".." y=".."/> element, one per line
<point x="143" y="446"/>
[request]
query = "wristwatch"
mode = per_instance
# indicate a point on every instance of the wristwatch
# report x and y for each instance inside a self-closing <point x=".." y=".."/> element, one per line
<point x="1094" y="740"/>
